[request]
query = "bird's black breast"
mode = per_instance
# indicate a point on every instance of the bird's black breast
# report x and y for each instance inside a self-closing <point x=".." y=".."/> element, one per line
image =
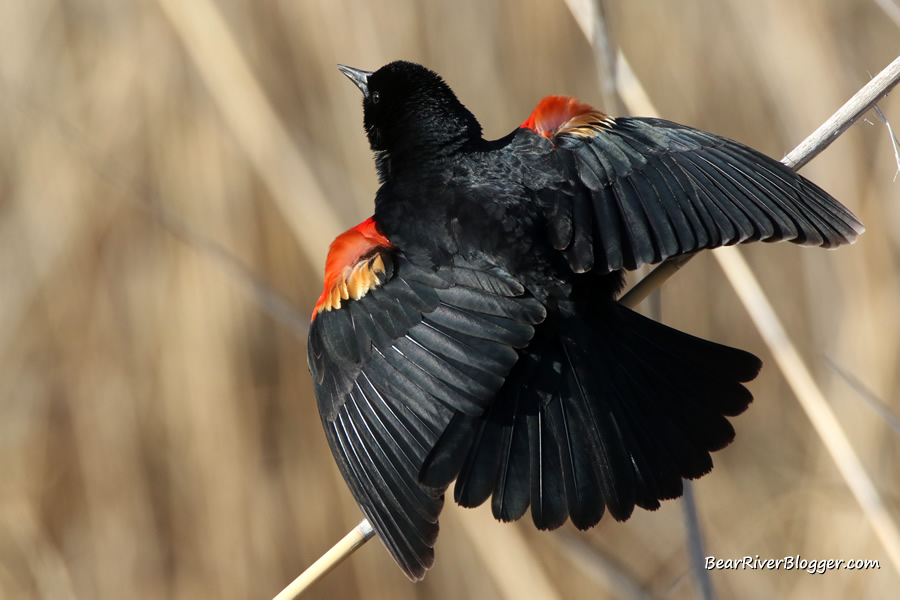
<point x="475" y="203"/>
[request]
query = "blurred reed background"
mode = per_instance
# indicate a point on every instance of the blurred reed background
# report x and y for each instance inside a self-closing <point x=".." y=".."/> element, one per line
<point x="158" y="433"/>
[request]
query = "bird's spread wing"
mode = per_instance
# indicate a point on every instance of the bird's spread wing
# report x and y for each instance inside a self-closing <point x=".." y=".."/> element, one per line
<point x="639" y="190"/>
<point x="394" y="351"/>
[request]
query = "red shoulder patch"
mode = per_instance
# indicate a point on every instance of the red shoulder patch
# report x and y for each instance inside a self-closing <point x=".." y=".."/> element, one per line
<point x="564" y="114"/>
<point x="353" y="265"/>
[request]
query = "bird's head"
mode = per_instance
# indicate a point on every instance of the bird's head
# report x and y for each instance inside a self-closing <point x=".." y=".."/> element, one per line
<point x="410" y="114"/>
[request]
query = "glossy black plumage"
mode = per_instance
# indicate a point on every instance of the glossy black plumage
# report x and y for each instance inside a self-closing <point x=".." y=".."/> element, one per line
<point x="658" y="189"/>
<point x="392" y="369"/>
<point x="491" y="351"/>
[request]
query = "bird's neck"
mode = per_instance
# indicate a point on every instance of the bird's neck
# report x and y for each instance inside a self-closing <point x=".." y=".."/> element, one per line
<point x="421" y="158"/>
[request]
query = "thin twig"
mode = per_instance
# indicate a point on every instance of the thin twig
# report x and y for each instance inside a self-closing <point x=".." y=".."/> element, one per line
<point x="861" y="102"/>
<point x="695" y="544"/>
<point x="360" y="534"/>
<point x="617" y="579"/>
<point x="653" y="281"/>
<point x="895" y="143"/>
<point x="878" y="405"/>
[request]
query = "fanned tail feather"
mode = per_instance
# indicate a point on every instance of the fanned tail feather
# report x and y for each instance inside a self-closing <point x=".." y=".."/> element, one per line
<point x="606" y="414"/>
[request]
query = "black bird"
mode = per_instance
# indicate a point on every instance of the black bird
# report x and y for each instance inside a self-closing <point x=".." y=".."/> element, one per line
<point x="469" y="330"/>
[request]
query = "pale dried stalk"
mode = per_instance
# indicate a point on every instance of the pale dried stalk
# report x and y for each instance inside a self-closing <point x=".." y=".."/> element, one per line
<point x="499" y="545"/>
<point x="861" y="102"/>
<point x="811" y="399"/>
<point x="260" y="133"/>
<point x="360" y="534"/>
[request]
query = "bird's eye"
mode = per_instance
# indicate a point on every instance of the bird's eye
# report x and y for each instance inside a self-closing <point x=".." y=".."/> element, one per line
<point x="375" y="97"/>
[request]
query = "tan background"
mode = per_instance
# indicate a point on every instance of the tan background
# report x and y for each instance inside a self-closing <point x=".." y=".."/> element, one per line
<point x="158" y="433"/>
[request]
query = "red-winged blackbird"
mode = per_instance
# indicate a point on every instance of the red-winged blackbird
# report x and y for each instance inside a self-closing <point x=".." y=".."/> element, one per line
<point x="469" y="330"/>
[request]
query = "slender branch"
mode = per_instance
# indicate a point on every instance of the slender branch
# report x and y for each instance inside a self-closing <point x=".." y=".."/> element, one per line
<point x="599" y="566"/>
<point x="895" y="142"/>
<point x="498" y="546"/>
<point x="649" y="284"/>
<point x="358" y="536"/>
<point x="878" y="405"/>
<point x="821" y="138"/>
<point x="591" y="18"/>
<point x="861" y="102"/>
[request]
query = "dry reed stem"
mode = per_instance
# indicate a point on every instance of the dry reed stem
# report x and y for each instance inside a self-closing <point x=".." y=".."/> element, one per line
<point x="895" y="142"/>
<point x="878" y="405"/>
<point x="358" y="536"/>
<point x="861" y="102"/>
<point x="601" y="569"/>
<point x="254" y="122"/>
<point x="811" y="399"/>
<point x="504" y="545"/>
<point x="890" y="9"/>
<point x="695" y="544"/>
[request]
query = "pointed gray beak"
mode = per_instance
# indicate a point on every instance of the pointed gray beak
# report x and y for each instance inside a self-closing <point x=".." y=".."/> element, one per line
<point x="357" y="76"/>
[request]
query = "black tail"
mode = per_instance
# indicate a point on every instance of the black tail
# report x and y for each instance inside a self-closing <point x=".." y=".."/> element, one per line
<point x="612" y="412"/>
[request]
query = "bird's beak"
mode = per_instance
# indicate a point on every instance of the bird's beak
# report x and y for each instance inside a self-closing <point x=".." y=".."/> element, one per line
<point x="357" y="76"/>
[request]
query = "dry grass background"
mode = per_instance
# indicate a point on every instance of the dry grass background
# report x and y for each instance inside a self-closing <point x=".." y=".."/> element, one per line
<point x="158" y="433"/>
